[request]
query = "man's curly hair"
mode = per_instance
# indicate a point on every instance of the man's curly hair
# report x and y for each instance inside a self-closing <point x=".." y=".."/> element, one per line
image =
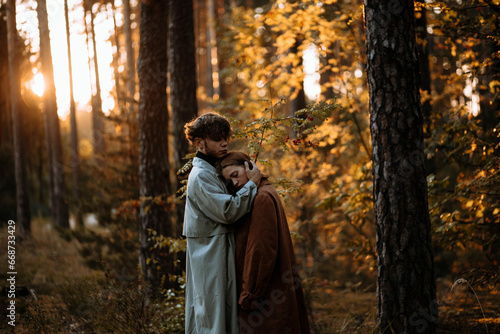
<point x="210" y="125"/>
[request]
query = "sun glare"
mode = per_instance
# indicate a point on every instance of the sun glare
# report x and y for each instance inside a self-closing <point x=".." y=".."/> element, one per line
<point x="36" y="84"/>
<point x="312" y="87"/>
<point x="28" y="25"/>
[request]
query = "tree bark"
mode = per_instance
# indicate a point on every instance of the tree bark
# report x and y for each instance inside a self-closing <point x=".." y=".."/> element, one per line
<point x="22" y="198"/>
<point x="50" y="109"/>
<point x="75" y="160"/>
<point x="182" y="68"/>
<point x="406" y="285"/>
<point x="153" y="138"/>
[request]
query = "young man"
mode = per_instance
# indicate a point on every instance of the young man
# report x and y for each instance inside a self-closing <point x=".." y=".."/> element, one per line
<point x="211" y="300"/>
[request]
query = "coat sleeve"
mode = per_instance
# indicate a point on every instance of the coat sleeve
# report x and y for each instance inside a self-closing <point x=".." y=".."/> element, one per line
<point x="261" y="252"/>
<point x="218" y="206"/>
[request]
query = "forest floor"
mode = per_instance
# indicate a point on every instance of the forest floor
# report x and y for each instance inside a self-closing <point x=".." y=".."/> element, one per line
<point x="47" y="262"/>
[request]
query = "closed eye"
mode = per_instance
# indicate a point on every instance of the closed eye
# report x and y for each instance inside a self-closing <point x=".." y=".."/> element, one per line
<point x="234" y="174"/>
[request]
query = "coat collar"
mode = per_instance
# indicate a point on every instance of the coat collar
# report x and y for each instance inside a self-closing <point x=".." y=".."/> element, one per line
<point x="201" y="163"/>
<point x="264" y="182"/>
<point x="211" y="160"/>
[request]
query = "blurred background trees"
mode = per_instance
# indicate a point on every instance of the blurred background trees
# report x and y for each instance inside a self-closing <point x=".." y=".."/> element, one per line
<point x="254" y="61"/>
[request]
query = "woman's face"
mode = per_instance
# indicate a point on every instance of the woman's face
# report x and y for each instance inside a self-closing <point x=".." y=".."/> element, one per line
<point x="236" y="174"/>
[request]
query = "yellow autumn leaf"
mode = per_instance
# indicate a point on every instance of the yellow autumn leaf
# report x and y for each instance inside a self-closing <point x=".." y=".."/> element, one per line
<point x="494" y="86"/>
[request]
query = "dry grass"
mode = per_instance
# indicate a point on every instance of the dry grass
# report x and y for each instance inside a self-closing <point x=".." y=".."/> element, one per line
<point x="44" y="264"/>
<point x="344" y="310"/>
<point x="48" y="264"/>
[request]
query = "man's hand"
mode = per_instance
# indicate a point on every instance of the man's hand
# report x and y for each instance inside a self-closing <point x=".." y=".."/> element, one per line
<point x="253" y="174"/>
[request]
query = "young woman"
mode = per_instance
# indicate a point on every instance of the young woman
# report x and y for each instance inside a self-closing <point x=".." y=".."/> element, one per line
<point x="270" y="296"/>
<point x="211" y="299"/>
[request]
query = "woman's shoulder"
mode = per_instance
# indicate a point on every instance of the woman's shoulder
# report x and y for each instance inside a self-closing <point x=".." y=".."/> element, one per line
<point x="266" y="189"/>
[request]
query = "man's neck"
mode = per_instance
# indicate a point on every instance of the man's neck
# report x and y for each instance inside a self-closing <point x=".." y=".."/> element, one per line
<point x="208" y="158"/>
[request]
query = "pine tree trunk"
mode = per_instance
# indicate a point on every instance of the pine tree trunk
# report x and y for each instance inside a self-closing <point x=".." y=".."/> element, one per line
<point x="97" y="114"/>
<point x="50" y="109"/>
<point x="22" y="198"/>
<point x="130" y="53"/>
<point x="182" y="68"/>
<point x="213" y="91"/>
<point x="116" y="59"/>
<point x="153" y="138"/>
<point x="131" y="82"/>
<point x="89" y="60"/>
<point x="200" y="27"/>
<point x="5" y="108"/>
<point x="75" y="160"/>
<point x="406" y="284"/>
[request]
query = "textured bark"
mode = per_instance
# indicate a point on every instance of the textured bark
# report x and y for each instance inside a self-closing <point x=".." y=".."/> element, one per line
<point x="75" y="160"/>
<point x="153" y="137"/>
<point x="55" y="155"/>
<point x="406" y="284"/>
<point x="22" y="199"/>
<point x="182" y="69"/>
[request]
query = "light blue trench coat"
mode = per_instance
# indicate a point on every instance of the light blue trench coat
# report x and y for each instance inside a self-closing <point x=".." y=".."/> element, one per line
<point x="211" y="300"/>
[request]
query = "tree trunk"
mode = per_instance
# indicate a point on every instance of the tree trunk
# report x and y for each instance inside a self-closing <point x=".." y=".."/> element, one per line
<point x="406" y="285"/>
<point x="116" y="59"/>
<point x="130" y="53"/>
<point x="200" y="27"/>
<point x="50" y="108"/>
<point x="89" y="60"/>
<point x="213" y="91"/>
<point x="182" y="68"/>
<point x="22" y="198"/>
<point x="75" y="160"/>
<point x="131" y="81"/>
<point x="153" y="138"/>
<point x="97" y="115"/>
<point x="5" y="108"/>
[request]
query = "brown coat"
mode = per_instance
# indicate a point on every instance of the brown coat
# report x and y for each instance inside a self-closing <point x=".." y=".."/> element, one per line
<point x="271" y="299"/>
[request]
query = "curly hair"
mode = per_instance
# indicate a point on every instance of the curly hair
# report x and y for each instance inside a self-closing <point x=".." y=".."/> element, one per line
<point x="210" y="125"/>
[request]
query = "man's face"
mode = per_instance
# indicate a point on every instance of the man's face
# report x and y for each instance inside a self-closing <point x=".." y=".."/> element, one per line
<point x="213" y="148"/>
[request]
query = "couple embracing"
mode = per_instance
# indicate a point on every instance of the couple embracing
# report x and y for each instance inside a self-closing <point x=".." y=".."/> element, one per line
<point x="241" y="275"/>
